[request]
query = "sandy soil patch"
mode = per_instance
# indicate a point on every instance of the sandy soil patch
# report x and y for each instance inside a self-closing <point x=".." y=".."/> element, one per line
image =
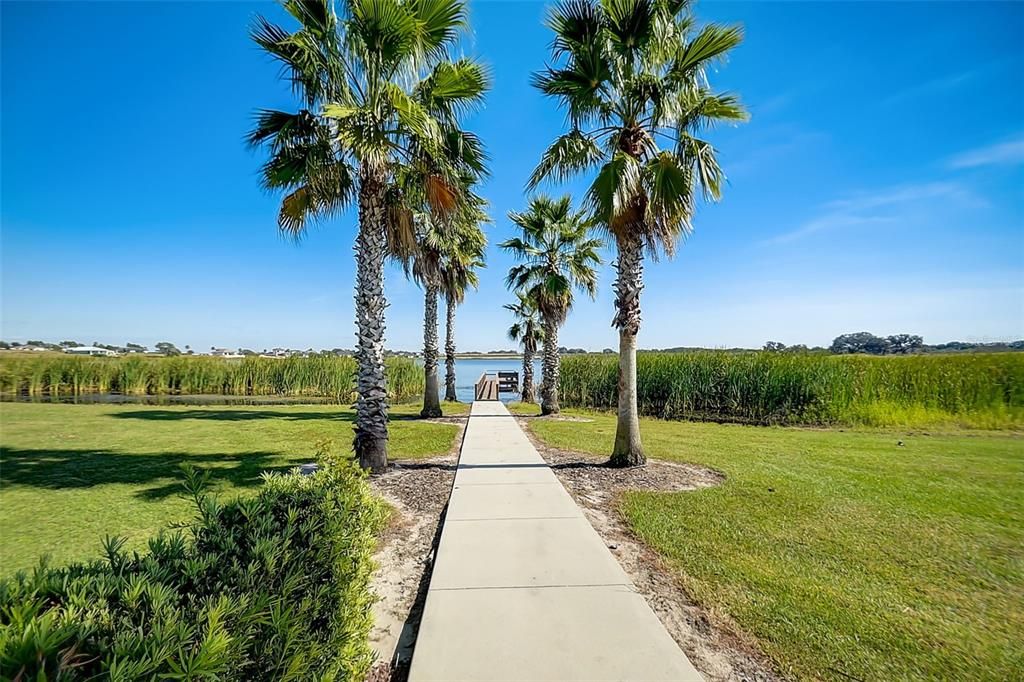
<point x="418" y="491"/>
<point x="713" y="643"/>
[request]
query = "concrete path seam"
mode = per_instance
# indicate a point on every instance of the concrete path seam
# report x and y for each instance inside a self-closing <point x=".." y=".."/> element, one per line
<point x="540" y="601"/>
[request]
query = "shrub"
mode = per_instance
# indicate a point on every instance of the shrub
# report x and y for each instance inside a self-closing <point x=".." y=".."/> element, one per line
<point x="269" y="587"/>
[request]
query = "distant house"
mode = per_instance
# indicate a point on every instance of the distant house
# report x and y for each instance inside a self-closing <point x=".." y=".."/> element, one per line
<point x="225" y="353"/>
<point x="278" y="353"/>
<point x="90" y="350"/>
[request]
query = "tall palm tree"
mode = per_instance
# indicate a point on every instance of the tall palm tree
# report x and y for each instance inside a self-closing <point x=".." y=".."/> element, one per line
<point x="526" y="330"/>
<point x="421" y="238"/>
<point x="360" y="77"/>
<point x="631" y="75"/>
<point x="434" y="247"/>
<point x="422" y="264"/>
<point x="559" y="256"/>
<point x="459" y="267"/>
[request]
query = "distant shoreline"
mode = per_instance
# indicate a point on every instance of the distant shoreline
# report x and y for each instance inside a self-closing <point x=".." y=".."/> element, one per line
<point x="488" y="356"/>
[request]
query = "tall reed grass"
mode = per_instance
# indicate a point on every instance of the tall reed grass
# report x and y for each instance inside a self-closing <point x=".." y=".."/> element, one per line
<point x="320" y="376"/>
<point x="977" y="390"/>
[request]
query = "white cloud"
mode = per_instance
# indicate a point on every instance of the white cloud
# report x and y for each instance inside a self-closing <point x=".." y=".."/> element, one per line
<point x="831" y="221"/>
<point x="884" y="206"/>
<point x="935" y="86"/>
<point x="1010" y="152"/>
<point x="903" y="194"/>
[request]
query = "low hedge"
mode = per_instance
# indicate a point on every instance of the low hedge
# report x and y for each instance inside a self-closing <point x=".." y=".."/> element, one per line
<point x="270" y="587"/>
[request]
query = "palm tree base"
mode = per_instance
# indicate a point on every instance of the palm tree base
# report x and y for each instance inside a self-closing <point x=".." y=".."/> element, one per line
<point x="431" y="412"/>
<point x="628" y="450"/>
<point x="372" y="453"/>
<point x="628" y="459"/>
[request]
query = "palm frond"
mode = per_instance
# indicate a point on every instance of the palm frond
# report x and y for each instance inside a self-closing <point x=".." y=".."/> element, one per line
<point x="700" y="108"/>
<point x="315" y="15"/>
<point x="700" y="155"/>
<point x="612" y="197"/>
<point x="671" y="202"/>
<point x="466" y="151"/>
<point x="570" y="154"/>
<point x="576" y="23"/>
<point x="578" y="90"/>
<point x="709" y="45"/>
<point x="384" y="32"/>
<point x="310" y="203"/>
<point x="438" y="24"/>
<point x="629" y="23"/>
<point x="282" y="128"/>
<point x="453" y="88"/>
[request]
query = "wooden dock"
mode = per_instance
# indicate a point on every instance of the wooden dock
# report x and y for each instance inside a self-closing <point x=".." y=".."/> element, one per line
<point x="491" y="385"/>
<point x="486" y="387"/>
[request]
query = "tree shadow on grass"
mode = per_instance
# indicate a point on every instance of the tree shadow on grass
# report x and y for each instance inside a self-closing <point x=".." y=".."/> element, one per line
<point x="71" y="469"/>
<point x="232" y="415"/>
<point x="251" y="415"/>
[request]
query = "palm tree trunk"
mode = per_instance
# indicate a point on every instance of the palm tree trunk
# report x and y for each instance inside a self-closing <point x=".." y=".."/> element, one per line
<point x="549" y="383"/>
<point x="527" y="394"/>
<point x="371" y="428"/>
<point x="628" y="450"/>
<point x="431" y="399"/>
<point x="449" y="350"/>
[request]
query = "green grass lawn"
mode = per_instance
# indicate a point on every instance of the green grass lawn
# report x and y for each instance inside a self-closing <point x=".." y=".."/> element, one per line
<point x="847" y="555"/>
<point x="70" y="474"/>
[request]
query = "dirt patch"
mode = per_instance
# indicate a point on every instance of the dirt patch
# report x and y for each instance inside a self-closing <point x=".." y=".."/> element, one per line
<point x="418" y="491"/>
<point x="457" y="419"/>
<point x="712" y="642"/>
<point x="552" y="417"/>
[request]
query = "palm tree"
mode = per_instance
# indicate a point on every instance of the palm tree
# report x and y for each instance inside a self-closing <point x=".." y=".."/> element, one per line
<point x="559" y="256"/>
<point x="360" y="78"/>
<point x="526" y="330"/>
<point x="435" y="247"/>
<point x="422" y="239"/>
<point x="422" y="264"/>
<point x="631" y="75"/>
<point x="459" y="267"/>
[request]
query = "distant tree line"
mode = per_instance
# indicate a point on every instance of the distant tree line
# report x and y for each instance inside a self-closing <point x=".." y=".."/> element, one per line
<point x="864" y="343"/>
<point x="867" y="343"/>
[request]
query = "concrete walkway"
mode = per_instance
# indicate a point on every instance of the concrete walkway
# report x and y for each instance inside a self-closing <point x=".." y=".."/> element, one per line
<point x="523" y="587"/>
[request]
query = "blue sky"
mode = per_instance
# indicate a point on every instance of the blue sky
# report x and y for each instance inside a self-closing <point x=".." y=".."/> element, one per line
<point x="878" y="186"/>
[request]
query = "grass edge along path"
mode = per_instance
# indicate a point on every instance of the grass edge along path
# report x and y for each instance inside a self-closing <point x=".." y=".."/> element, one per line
<point x="70" y="474"/>
<point x="848" y="555"/>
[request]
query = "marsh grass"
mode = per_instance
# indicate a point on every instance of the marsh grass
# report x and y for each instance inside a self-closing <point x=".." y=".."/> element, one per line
<point x="321" y="376"/>
<point x="977" y="390"/>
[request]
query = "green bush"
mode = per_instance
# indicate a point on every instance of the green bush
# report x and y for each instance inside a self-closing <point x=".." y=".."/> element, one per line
<point x="270" y="587"/>
<point x="321" y="376"/>
<point x="980" y="390"/>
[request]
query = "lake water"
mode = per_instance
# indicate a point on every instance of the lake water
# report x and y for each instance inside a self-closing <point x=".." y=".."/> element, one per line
<point x="467" y="371"/>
